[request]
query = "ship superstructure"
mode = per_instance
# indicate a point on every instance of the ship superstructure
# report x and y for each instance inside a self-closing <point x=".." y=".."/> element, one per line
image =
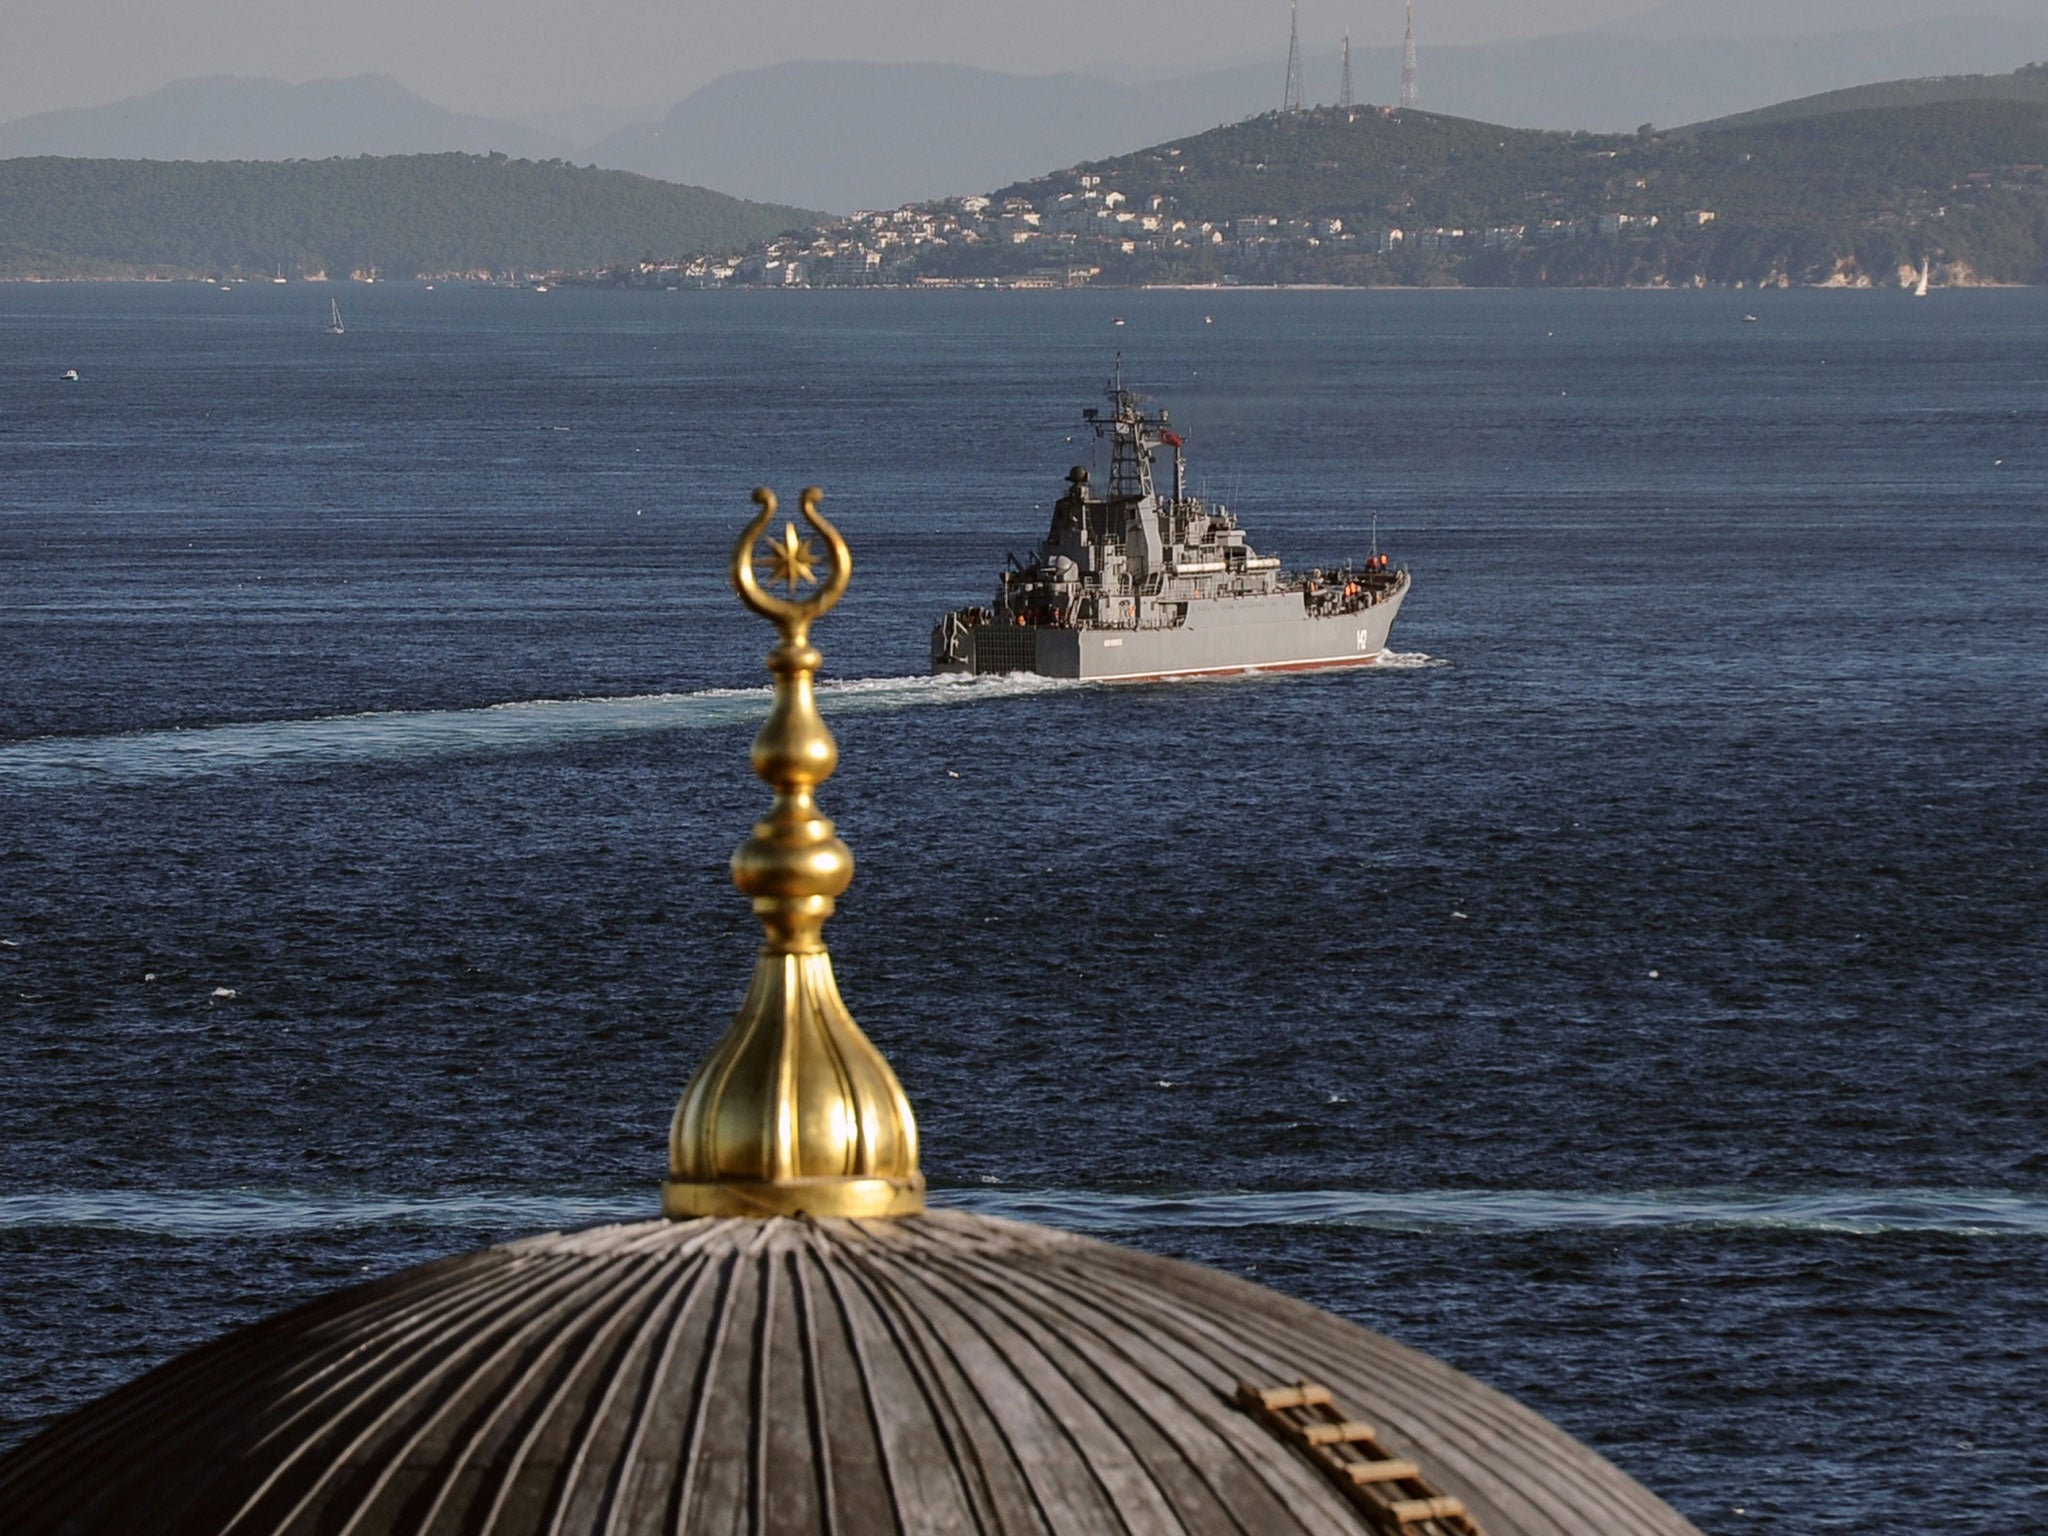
<point x="1133" y="581"/>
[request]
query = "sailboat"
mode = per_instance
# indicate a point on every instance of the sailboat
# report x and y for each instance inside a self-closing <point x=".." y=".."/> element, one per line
<point x="1920" y="288"/>
<point x="333" y="327"/>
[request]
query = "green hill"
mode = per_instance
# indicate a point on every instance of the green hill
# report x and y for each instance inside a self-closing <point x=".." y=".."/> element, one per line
<point x="1849" y="196"/>
<point x="399" y="215"/>
<point x="2026" y="84"/>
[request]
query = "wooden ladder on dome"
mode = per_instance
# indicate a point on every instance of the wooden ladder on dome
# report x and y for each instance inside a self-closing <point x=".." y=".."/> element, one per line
<point x="1389" y="1491"/>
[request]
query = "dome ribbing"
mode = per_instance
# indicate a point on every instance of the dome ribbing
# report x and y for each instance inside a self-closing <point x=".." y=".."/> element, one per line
<point x="937" y="1373"/>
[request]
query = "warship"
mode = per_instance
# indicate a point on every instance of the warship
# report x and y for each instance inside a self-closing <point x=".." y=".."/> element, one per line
<point x="1132" y="584"/>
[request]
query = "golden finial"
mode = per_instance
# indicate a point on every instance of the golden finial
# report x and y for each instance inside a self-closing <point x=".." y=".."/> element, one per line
<point x="795" y="1110"/>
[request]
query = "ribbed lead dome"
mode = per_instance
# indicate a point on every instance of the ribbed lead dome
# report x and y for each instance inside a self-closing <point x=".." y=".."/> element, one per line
<point x="944" y="1372"/>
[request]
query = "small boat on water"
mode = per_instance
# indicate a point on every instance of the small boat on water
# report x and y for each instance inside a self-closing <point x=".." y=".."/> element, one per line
<point x="68" y="376"/>
<point x="1136" y="582"/>
<point x="1920" y="288"/>
<point x="334" y="327"/>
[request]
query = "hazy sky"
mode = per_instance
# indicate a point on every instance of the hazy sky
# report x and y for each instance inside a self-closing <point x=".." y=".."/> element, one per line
<point x="506" y="57"/>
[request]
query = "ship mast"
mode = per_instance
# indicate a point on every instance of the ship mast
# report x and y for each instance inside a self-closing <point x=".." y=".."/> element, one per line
<point x="1130" y="459"/>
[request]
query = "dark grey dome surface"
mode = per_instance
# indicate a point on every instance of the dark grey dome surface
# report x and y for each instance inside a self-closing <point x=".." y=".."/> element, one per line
<point x="943" y="1372"/>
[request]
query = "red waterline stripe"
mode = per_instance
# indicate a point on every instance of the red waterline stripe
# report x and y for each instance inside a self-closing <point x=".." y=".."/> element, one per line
<point x="1274" y="666"/>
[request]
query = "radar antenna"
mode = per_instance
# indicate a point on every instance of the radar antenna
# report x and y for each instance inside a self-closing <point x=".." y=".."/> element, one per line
<point x="1411" y="86"/>
<point x="1290" y="99"/>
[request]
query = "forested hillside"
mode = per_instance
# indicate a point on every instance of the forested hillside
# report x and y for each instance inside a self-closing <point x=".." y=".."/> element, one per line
<point x="2026" y="84"/>
<point x="1314" y="196"/>
<point x="398" y="215"/>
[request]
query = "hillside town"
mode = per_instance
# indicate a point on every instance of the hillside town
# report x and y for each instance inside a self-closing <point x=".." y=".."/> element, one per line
<point x="1069" y="234"/>
<point x="1067" y="245"/>
<point x="1372" y="196"/>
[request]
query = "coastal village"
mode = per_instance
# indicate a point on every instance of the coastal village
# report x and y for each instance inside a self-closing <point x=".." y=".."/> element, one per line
<point x="1066" y="233"/>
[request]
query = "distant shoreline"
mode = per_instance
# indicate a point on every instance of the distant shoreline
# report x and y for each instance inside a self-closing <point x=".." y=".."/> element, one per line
<point x="576" y="283"/>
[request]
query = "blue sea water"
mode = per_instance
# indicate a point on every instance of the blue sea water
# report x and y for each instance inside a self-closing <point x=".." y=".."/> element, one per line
<point x="1632" y="995"/>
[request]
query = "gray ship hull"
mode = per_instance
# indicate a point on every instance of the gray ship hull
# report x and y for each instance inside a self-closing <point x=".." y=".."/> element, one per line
<point x="1264" y="634"/>
<point x="1136" y="580"/>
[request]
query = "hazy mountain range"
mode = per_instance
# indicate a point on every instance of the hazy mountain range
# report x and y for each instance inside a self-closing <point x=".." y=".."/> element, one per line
<point x="232" y="117"/>
<point x="851" y="135"/>
<point x="1798" y="18"/>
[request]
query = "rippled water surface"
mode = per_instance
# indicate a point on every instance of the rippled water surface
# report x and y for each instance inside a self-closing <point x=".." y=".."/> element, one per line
<point x="1632" y="994"/>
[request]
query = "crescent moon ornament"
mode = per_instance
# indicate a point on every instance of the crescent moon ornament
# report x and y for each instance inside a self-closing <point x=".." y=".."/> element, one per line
<point x="791" y="560"/>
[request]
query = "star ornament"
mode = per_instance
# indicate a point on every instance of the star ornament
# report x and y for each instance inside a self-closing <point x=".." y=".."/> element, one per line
<point x="792" y="561"/>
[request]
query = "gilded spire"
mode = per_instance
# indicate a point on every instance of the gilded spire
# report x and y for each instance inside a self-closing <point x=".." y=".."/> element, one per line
<point x="795" y="1110"/>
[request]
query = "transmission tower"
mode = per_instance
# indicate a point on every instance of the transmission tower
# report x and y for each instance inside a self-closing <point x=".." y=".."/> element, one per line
<point x="1344" y="91"/>
<point x="1411" y="88"/>
<point x="1290" y="100"/>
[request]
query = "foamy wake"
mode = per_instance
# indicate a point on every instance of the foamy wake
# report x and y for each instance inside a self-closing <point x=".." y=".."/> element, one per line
<point x="524" y="726"/>
<point x="1410" y="660"/>
<point x="1860" y="1213"/>
<point x="1857" y="1212"/>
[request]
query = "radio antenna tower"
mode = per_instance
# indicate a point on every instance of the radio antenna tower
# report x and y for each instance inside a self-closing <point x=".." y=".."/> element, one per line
<point x="1411" y="87"/>
<point x="1344" y="91"/>
<point x="1290" y="100"/>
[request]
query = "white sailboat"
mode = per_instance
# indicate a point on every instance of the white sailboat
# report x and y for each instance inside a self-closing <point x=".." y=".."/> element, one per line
<point x="333" y="327"/>
<point x="1920" y="288"/>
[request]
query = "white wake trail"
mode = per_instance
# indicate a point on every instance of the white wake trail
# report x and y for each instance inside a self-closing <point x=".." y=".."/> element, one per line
<point x="523" y="726"/>
<point x="1986" y="1213"/>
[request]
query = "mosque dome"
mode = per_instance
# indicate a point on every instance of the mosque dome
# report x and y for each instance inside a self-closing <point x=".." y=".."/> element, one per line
<point x="942" y="1372"/>
<point x="798" y="1346"/>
